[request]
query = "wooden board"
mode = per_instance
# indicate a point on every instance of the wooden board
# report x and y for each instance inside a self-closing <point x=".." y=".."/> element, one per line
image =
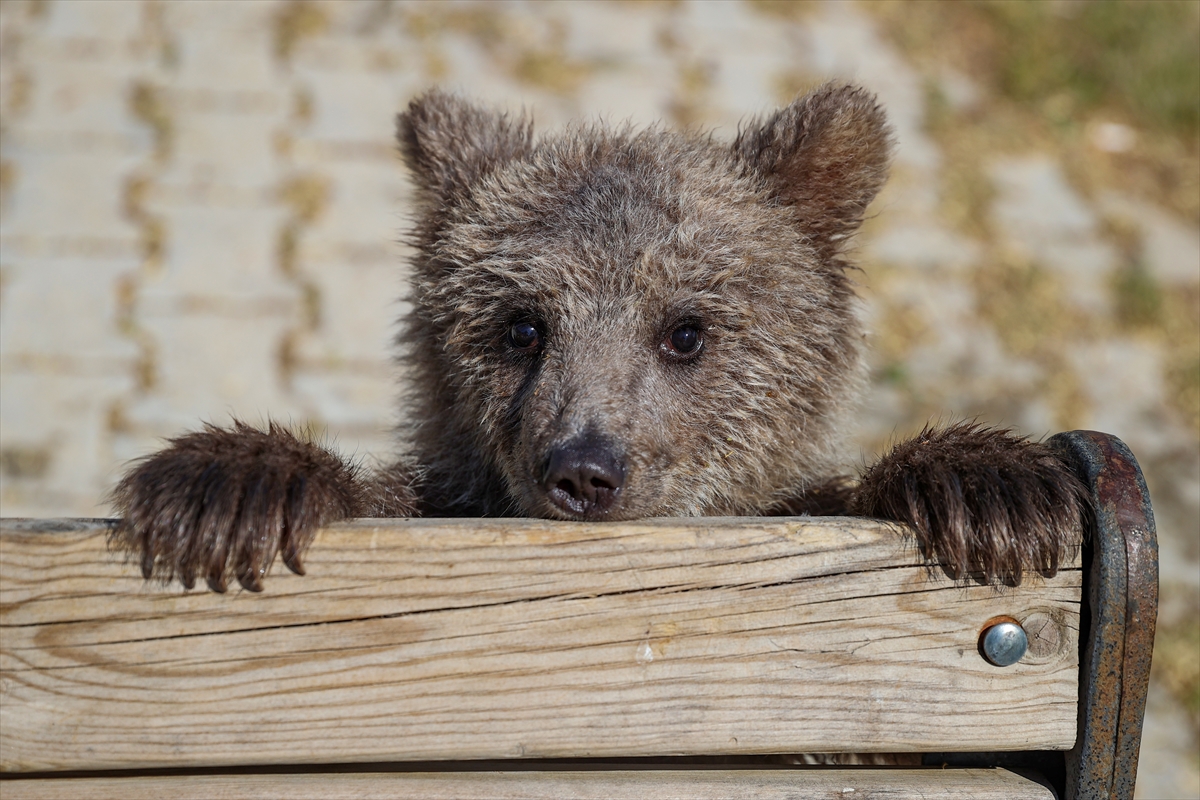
<point x="474" y="639"/>
<point x="858" y="784"/>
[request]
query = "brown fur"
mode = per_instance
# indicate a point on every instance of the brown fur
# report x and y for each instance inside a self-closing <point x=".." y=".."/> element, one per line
<point x="614" y="324"/>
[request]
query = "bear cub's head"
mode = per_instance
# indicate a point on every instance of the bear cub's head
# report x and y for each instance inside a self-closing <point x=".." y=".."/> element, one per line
<point x="616" y="324"/>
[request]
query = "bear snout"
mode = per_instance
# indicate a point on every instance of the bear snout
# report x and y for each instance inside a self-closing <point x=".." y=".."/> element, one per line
<point x="583" y="476"/>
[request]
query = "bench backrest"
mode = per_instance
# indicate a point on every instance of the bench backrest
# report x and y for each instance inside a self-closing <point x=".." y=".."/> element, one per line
<point x="435" y="640"/>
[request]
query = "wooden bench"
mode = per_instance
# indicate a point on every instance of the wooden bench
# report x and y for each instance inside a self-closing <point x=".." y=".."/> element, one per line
<point x="524" y="658"/>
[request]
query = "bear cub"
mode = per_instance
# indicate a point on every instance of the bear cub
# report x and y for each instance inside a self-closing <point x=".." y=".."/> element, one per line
<point x="610" y="324"/>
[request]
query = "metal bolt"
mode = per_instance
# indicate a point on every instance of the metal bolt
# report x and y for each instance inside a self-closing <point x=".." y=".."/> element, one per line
<point x="1004" y="643"/>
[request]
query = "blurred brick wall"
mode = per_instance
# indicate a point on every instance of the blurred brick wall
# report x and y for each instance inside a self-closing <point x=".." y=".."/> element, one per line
<point x="202" y="209"/>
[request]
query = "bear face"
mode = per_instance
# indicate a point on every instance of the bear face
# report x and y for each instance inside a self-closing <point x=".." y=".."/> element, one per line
<point x="621" y="324"/>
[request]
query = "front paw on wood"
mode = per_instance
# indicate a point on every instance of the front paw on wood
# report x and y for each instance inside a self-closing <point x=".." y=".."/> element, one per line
<point x="984" y="504"/>
<point x="224" y="501"/>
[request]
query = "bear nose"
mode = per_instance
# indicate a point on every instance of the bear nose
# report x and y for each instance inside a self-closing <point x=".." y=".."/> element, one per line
<point x="584" y="476"/>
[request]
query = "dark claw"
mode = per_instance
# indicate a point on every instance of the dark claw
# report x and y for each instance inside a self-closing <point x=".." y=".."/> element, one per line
<point x="291" y="558"/>
<point x="250" y="581"/>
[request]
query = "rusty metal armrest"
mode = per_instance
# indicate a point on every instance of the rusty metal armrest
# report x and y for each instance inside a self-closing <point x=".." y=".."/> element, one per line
<point x="1120" y="603"/>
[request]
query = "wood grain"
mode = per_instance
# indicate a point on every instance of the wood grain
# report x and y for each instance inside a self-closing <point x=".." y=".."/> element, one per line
<point x="474" y="639"/>
<point x="778" y="784"/>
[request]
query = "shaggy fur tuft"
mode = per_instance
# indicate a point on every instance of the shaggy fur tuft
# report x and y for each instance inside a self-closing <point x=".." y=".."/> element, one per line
<point x="616" y="324"/>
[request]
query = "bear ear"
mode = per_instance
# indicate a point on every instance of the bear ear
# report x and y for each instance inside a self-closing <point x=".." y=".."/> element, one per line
<point x="449" y="143"/>
<point x="826" y="155"/>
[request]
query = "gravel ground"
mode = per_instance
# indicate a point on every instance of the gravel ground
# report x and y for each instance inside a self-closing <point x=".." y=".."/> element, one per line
<point x="201" y="207"/>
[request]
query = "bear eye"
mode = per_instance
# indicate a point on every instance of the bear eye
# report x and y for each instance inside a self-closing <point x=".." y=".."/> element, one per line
<point x="524" y="336"/>
<point x="684" y="340"/>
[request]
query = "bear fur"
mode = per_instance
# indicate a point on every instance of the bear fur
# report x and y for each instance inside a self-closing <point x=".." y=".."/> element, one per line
<point x="612" y="324"/>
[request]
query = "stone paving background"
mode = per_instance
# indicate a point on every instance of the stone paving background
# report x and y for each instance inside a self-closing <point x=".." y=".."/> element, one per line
<point x="201" y="207"/>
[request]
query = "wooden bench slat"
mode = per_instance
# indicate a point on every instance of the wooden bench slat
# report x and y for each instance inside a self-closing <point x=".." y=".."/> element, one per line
<point x="477" y="639"/>
<point x="856" y="784"/>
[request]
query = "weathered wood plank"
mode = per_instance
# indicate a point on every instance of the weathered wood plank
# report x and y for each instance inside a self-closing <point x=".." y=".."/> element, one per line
<point x="471" y="639"/>
<point x="860" y="784"/>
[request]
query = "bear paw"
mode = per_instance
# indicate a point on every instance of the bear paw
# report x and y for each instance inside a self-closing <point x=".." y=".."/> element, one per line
<point x="223" y="501"/>
<point x="982" y="502"/>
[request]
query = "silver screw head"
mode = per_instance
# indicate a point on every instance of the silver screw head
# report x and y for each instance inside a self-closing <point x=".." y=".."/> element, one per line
<point x="1004" y="643"/>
